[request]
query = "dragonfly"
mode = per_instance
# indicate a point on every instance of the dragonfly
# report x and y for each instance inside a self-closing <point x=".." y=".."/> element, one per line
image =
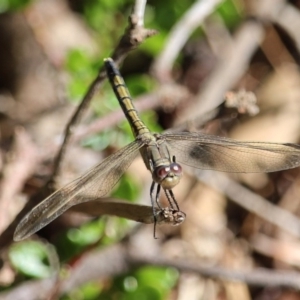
<point x="163" y="154"/>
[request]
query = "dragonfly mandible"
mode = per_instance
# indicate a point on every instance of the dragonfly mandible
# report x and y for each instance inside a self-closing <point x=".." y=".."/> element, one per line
<point x="162" y="155"/>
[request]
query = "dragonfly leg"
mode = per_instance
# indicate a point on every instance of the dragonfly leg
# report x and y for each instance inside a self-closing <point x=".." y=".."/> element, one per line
<point x="169" y="198"/>
<point x="157" y="196"/>
<point x="153" y="207"/>
<point x="172" y="201"/>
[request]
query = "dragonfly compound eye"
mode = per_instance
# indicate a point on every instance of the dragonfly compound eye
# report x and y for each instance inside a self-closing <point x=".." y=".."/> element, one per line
<point x="162" y="172"/>
<point x="176" y="169"/>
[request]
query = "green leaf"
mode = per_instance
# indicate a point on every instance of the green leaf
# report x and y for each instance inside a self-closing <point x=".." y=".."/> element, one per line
<point x="12" y="5"/>
<point x="89" y="291"/>
<point x="29" y="258"/>
<point x="98" y="142"/>
<point x="82" y="69"/>
<point x="127" y="188"/>
<point x="77" y="60"/>
<point x="87" y="234"/>
<point x="162" y="278"/>
<point x="146" y="283"/>
<point x="229" y="12"/>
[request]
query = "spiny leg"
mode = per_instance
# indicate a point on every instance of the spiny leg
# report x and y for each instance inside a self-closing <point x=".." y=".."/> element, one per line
<point x="153" y="205"/>
<point x="169" y="198"/>
<point x="151" y="197"/>
<point x="157" y="196"/>
<point x="172" y="200"/>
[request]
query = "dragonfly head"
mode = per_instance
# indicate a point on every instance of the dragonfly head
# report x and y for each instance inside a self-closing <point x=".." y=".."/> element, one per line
<point x="168" y="176"/>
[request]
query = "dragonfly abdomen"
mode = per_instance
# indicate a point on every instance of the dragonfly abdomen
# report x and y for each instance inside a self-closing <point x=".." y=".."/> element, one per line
<point x="137" y="125"/>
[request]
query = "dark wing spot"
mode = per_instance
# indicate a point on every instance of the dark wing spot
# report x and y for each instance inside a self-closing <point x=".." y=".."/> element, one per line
<point x="202" y="153"/>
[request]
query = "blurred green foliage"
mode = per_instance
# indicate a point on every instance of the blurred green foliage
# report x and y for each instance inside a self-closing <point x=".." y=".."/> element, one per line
<point x="12" y="5"/>
<point x="147" y="283"/>
<point x="30" y="259"/>
<point x="71" y="243"/>
<point x="89" y="291"/>
<point x="127" y="186"/>
<point x="82" y="69"/>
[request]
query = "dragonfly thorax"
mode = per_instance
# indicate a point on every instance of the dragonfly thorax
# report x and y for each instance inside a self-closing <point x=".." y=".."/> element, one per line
<point x="167" y="176"/>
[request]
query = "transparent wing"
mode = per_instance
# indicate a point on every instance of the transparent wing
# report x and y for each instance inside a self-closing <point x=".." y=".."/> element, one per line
<point x="94" y="184"/>
<point x="228" y="155"/>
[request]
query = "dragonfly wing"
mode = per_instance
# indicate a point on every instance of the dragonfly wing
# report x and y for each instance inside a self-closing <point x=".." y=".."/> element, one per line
<point x="94" y="184"/>
<point x="228" y="155"/>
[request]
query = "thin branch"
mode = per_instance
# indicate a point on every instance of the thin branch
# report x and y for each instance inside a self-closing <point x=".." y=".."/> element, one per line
<point x="230" y="68"/>
<point x="235" y="61"/>
<point x="179" y="35"/>
<point x="139" y="11"/>
<point x="24" y="158"/>
<point x="289" y="19"/>
<point x="257" y="277"/>
<point x="168" y="96"/>
<point x="252" y="202"/>
<point x="118" y="259"/>
<point x="217" y="34"/>
<point x="134" y="35"/>
<point x="286" y="251"/>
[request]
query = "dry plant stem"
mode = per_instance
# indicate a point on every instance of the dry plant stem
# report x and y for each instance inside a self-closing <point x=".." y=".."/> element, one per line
<point x="145" y="102"/>
<point x="180" y="33"/>
<point x="235" y="62"/>
<point x="123" y="259"/>
<point x="289" y="19"/>
<point x="117" y="259"/>
<point x="133" y="36"/>
<point x="252" y="202"/>
<point x="16" y="171"/>
<point x="30" y="290"/>
<point x="139" y="11"/>
<point x="230" y="68"/>
<point x="286" y="251"/>
<point x="73" y="122"/>
<point x="167" y="97"/>
<point x="259" y="277"/>
<point x="281" y="55"/>
<point x="217" y="34"/>
<point x="55" y="268"/>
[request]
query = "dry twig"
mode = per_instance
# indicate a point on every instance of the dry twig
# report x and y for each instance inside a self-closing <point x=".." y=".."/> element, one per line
<point x="252" y="202"/>
<point x="21" y="165"/>
<point x="179" y="35"/>
<point x="134" y="35"/>
<point x="234" y="63"/>
<point x="118" y="259"/>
